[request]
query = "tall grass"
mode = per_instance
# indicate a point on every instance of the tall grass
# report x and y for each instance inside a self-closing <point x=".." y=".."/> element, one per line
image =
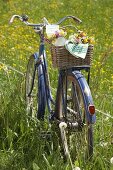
<point x="22" y="146"/>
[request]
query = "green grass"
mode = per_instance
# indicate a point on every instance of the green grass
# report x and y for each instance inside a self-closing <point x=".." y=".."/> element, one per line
<point x="21" y="143"/>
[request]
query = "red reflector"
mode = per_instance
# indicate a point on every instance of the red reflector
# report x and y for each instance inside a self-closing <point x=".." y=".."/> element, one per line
<point x="91" y="109"/>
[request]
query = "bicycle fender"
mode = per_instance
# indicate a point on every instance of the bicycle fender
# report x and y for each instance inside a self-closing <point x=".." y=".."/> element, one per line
<point x="91" y="119"/>
<point x="41" y="85"/>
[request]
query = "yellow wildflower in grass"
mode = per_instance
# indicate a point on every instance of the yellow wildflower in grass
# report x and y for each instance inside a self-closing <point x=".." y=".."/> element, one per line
<point x="102" y="70"/>
<point x="111" y="87"/>
<point x="53" y="5"/>
<point x="9" y="71"/>
<point x="5" y="68"/>
<point x="14" y="65"/>
<point x="21" y="57"/>
<point x="1" y="66"/>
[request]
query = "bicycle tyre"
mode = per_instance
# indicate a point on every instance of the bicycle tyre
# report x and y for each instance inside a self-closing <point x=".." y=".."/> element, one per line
<point x="80" y="140"/>
<point x="36" y="101"/>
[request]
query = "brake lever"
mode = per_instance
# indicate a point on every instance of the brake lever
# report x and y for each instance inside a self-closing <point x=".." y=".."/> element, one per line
<point x="25" y="18"/>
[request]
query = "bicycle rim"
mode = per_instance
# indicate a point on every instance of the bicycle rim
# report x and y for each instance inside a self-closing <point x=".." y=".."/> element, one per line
<point x="32" y="99"/>
<point x="80" y="138"/>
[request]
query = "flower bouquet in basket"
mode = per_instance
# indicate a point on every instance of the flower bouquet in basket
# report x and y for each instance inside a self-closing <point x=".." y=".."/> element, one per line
<point x="77" y="44"/>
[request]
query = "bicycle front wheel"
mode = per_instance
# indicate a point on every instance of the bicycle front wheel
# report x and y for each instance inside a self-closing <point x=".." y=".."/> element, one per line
<point x="77" y="135"/>
<point x="35" y="90"/>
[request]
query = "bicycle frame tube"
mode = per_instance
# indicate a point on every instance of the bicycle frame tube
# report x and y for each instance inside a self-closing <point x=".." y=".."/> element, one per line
<point x="44" y="71"/>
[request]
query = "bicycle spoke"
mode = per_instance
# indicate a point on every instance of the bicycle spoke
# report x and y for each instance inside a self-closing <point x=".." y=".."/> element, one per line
<point x="78" y="134"/>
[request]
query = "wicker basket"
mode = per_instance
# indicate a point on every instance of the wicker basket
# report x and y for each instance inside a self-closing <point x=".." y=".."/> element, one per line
<point x="61" y="58"/>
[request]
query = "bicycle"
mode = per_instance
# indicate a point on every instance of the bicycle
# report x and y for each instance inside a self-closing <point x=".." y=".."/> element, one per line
<point x="74" y="111"/>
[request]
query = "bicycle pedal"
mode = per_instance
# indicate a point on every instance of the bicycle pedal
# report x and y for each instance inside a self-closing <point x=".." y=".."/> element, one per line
<point x="75" y="126"/>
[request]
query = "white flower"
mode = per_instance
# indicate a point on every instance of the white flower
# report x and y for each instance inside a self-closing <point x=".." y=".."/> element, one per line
<point x="77" y="168"/>
<point x="103" y="144"/>
<point x="62" y="125"/>
<point x="111" y="160"/>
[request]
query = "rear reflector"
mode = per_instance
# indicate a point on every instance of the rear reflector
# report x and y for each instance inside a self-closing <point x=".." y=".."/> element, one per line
<point x="91" y="109"/>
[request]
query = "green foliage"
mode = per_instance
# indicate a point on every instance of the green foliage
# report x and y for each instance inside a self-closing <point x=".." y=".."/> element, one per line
<point x="22" y="146"/>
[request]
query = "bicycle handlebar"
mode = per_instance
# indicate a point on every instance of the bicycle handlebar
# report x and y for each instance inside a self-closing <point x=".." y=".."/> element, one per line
<point x="68" y="17"/>
<point x="24" y="18"/>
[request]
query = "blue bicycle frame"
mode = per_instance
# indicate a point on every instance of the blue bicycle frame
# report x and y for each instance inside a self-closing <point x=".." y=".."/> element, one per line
<point x="43" y="81"/>
<point x="44" y="95"/>
<point x="44" y="85"/>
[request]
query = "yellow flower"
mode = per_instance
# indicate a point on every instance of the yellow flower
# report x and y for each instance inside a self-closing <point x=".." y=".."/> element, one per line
<point x="91" y="40"/>
<point x="63" y="33"/>
<point x="102" y="70"/>
<point x="1" y="66"/>
<point x="85" y="40"/>
<point x="82" y="34"/>
<point x="14" y="65"/>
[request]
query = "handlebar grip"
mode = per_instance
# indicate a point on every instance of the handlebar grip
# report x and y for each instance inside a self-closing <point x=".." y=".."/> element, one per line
<point x="68" y="17"/>
<point x="12" y="19"/>
<point x="76" y="19"/>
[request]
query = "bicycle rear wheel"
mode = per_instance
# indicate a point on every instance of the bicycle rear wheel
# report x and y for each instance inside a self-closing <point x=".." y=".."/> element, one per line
<point x="76" y="133"/>
<point x="35" y="90"/>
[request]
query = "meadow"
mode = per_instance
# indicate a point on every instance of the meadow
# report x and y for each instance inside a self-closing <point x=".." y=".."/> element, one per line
<point x="21" y="144"/>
